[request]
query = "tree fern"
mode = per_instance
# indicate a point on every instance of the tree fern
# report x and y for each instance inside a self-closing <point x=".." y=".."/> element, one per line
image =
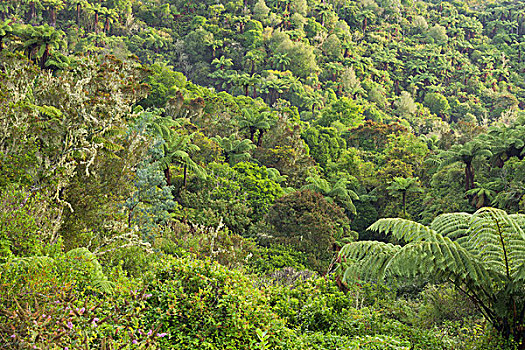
<point x="482" y="253"/>
<point x="337" y="192"/>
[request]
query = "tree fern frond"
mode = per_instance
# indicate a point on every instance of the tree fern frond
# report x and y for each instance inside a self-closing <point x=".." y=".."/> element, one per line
<point x="103" y="286"/>
<point x="498" y="239"/>
<point x="403" y="229"/>
<point x="366" y="259"/>
<point x="452" y="225"/>
<point x="32" y="262"/>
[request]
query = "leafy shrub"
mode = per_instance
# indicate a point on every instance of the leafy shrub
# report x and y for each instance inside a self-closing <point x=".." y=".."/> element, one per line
<point x="58" y="303"/>
<point x="315" y="305"/>
<point x="319" y="307"/>
<point x="78" y="267"/>
<point x="134" y="260"/>
<point x="289" y="276"/>
<point x="321" y="341"/>
<point x="270" y="259"/>
<point x="443" y="302"/>
<point x="26" y="222"/>
<point x="218" y="243"/>
<point x="202" y="305"/>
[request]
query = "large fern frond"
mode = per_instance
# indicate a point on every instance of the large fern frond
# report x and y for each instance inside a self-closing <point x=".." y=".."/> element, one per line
<point x="403" y="229"/>
<point x="451" y="225"/>
<point x="482" y="253"/>
<point x="429" y="252"/>
<point x="366" y="259"/>
<point x="498" y="240"/>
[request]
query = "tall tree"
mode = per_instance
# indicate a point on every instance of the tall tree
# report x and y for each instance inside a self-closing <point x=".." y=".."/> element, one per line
<point x="33" y="4"/>
<point x="337" y="192"/>
<point x="176" y="148"/>
<point x="235" y="150"/>
<point x="110" y="15"/>
<point x="465" y="154"/>
<point x="38" y="41"/>
<point x="255" y="122"/>
<point x="97" y="10"/>
<point x="52" y="7"/>
<point x="307" y="222"/>
<point x="401" y="186"/>
<point x="77" y="6"/>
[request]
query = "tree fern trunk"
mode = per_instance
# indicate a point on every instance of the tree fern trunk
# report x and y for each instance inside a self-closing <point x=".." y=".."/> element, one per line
<point x="185" y="182"/>
<point x="260" y="138"/>
<point x="96" y="22"/>
<point x="78" y="15"/>
<point x="52" y="17"/>
<point x="405" y="204"/>
<point x="469" y="176"/>
<point x="167" y="175"/>
<point x="32" y="11"/>
<point x="44" y="58"/>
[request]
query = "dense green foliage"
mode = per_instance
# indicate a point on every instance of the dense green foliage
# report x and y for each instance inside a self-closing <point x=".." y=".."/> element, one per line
<point x="178" y="174"/>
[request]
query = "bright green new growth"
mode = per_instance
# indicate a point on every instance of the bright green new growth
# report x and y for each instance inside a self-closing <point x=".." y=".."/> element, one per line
<point x="483" y="254"/>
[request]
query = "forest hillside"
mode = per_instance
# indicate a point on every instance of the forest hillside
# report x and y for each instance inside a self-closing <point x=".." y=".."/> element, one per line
<point x="269" y="174"/>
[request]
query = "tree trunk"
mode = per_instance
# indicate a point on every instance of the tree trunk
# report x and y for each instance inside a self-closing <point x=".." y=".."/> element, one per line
<point x="185" y="182"/>
<point x="78" y="15"/>
<point x="469" y="176"/>
<point x="52" y="17"/>
<point x="167" y="175"/>
<point x="404" y="203"/>
<point x="96" y="22"/>
<point x="106" y="25"/>
<point x="253" y="130"/>
<point x="32" y="11"/>
<point x="260" y="138"/>
<point x="44" y="58"/>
